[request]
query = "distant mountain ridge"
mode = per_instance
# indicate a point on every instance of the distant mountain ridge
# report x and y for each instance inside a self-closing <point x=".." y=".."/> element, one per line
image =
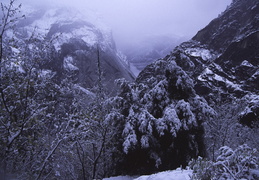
<point x="146" y="50"/>
<point x="76" y="37"/>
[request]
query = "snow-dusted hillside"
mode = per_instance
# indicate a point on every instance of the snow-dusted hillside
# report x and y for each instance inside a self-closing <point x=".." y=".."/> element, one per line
<point x="66" y="23"/>
<point x="208" y="86"/>
<point x="77" y="38"/>
<point x="222" y="58"/>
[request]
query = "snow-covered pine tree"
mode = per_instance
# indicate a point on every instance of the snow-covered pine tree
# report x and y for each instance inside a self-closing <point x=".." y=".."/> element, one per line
<point x="162" y="120"/>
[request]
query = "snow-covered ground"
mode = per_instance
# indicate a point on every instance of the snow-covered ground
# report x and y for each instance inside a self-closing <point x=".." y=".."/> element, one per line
<point x="177" y="174"/>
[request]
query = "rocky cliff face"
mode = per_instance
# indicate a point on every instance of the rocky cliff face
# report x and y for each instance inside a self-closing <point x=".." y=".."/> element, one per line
<point x="239" y="21"/>
<point x="223" y="58"/>
<point x="77" y="40"/>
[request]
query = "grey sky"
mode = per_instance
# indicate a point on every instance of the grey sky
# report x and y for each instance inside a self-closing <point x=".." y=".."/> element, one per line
<point x="135" y="18"/>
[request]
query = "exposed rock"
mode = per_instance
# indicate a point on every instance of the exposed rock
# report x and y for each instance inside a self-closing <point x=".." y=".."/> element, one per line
<point x="223" y="58"/>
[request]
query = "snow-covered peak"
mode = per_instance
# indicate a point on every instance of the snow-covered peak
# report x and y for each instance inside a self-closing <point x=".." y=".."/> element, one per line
<point x="62" y="14"/>
<point x="66" y="23"/>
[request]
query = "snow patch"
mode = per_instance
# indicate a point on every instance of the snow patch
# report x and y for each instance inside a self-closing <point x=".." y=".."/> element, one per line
<point x="219" y="78"/>
<point x="87" y="35"/>
<point x="68" y="64"/>
<point x="200" y="78"/>
<point x="208" y="71"/>
<point x="246" y="63"/>
<point x="229" y="83"/>
<point x="204" y="76"/>
<point x="177" y="174"/>
<point x="66" y="16"/>
<point x="120" y="178"/>
<point x="253" y="100"/>
<point x="84" y="33"/>
<point x="205" y="54"/>
<point x="218" y="67"/>
<point x="209" y="75"/>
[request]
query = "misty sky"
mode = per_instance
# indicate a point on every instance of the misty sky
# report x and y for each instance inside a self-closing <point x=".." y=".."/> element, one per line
<point x="131" y="19"/>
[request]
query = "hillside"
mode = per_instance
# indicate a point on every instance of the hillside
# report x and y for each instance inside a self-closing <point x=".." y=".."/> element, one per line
<point x="192" y="101"/>
<point x="75" y="38"/>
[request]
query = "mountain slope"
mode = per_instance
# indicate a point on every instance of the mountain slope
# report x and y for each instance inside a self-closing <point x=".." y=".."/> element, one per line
<point x="238" y="22"/>
<point x="166" y="120"/>
<point x="223" y="58"/>
<point x="78" y="39"/>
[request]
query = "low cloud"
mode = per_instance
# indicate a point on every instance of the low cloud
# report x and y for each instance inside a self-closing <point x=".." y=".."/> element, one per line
<point x="133" y="19"/>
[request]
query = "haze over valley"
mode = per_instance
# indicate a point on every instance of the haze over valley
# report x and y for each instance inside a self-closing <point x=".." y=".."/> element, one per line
<point x="145" y="30"/>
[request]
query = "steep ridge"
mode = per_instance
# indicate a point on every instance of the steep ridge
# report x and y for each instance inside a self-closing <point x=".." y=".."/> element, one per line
<point x="215" y="75"/>
<point x="238" y="21"/>
<point x="223" y="58"/>
<point x="78" y="40"/>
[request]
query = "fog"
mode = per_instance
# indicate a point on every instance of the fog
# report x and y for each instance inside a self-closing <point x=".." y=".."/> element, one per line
<point x="134" y="19"/>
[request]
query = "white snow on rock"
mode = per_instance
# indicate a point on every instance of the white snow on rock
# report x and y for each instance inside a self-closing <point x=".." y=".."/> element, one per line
<point x="253" y="100"/>
<point x="61" y="24"/>
<point x="66" y="16"/>
<point x="208" y="71"/>
<point x="68" y="64"/>
<point x="209" y="75"/>
<point x="246" y="63"/>
<point x="228" y="83"/>
<point x="177" y="174"/>
<point x="205" y="54"/>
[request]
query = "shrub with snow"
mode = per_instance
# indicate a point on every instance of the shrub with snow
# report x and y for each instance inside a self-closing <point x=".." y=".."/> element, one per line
<point x="241" y="163"/>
